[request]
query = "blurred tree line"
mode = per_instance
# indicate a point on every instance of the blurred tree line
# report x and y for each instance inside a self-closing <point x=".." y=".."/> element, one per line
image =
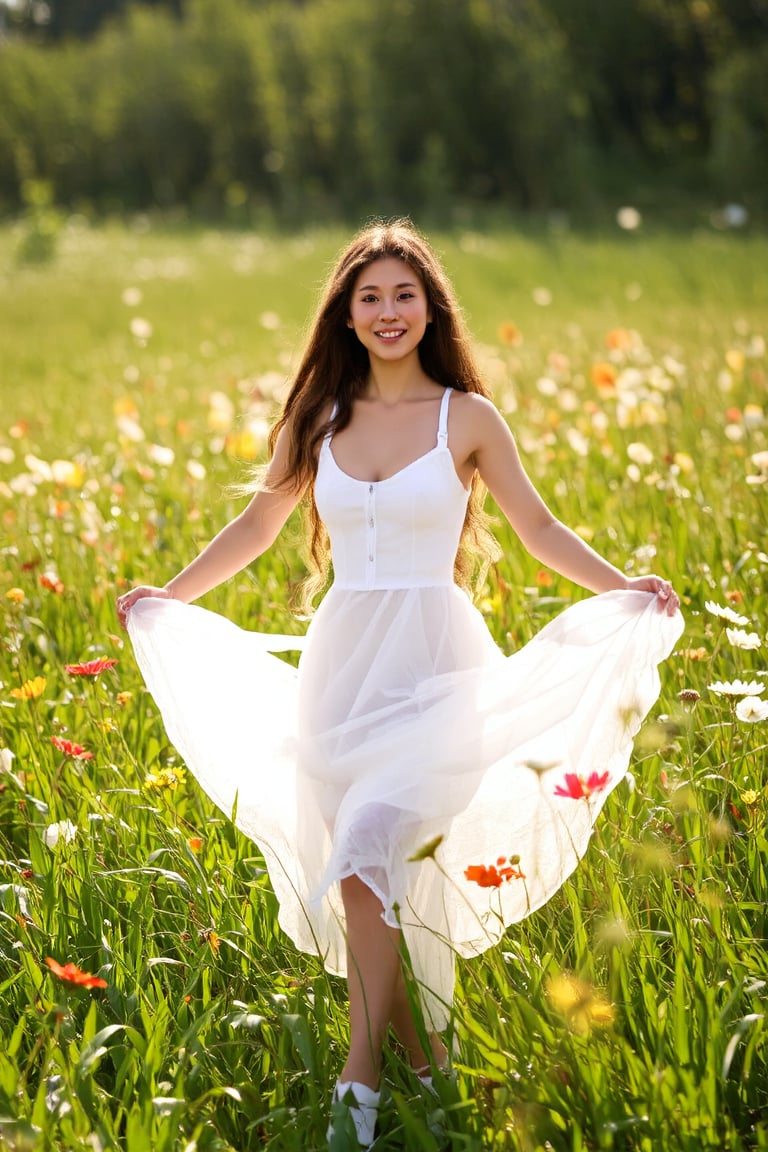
<point x="335" y="106"/>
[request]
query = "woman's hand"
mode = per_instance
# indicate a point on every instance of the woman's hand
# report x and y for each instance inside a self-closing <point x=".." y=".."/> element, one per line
<point x="128" y="599"/>
<point x="669" y="601"/>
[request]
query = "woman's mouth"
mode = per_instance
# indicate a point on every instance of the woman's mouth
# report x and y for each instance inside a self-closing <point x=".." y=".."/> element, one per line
<point x="391" y="334"/>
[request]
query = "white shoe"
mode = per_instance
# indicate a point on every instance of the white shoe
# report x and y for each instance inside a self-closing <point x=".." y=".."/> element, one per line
<point x="363" y="1105"/>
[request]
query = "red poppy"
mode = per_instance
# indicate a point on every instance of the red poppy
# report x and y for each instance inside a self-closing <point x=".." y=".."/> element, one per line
<point x="494" y="875"/>
<point x="74" y="975"/>
<point x="579" y="788"/>
<point x="91" y="667"/>
<point x="76" y="751"/>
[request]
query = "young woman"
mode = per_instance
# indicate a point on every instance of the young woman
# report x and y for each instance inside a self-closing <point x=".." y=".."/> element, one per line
<point x="404" y="724"/>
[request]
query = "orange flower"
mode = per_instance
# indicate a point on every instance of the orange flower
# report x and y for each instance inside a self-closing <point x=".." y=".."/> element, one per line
<point x="195" y="843"/>
<point x="74" y="975"/>
<point x="510" y="334"/>
<point x="693" y="653"/>
<point x="76" y="751"/>
<point x="494" y="875"/>
<point x="52" y="583"/>
<point x="618" y="338"/>
<point x="30" y="689"/>
<point x="603" y="377"/>
<point x="16" y="595"/>
<point x="91" y="667"/>
<point x="581" y="788"/>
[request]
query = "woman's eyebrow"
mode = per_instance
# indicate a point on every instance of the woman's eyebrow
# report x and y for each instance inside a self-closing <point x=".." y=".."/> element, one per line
<point x="376" y="288"/>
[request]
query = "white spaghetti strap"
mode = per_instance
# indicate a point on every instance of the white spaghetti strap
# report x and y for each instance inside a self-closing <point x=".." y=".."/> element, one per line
<point x="442" y="427"/>
<point x="329" y="435"/>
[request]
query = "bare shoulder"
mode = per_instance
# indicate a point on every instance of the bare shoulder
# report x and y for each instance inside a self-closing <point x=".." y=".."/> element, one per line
<point x="474" y="419"/>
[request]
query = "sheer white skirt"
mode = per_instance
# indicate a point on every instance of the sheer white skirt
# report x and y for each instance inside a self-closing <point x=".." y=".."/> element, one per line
<point x="405" y="723"/>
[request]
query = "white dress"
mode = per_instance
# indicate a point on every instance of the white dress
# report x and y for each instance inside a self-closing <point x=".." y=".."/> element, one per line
<point x="405" y="722"/>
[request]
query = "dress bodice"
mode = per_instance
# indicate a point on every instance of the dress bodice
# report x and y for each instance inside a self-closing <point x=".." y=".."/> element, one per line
<point x="402" y="532"/>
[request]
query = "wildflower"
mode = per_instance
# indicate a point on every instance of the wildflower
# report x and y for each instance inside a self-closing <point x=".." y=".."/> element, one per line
<point x="161" y="455"/>
<point x="71" y="974"/>
<point x="750" y="797"/>
<point x="30" y="689"/>
<point x="579" y="1002"/>
<point x="737" y="688"/>
<point x="505" y="869"/>
<point x="166" y="778"/>
<point x="65" y="830"/>
<point x="16" y="595"/>
<point x="68" y="473"/>
<point x="741" y="639"/>
<point x="581" y="788"/>
<point x="693" y="653"/>
<point x="603" y="376"/>
<point x="141" y="329"/>
<point x="76" y="751"/>
<point x="688" y="696"/>
<point x="124" y="698"/>
<point x="194" y="843"/>
<point x="618" y="338"/>
<point x="51" y="581"/>
<point x="510" y="334"/>
<point x="214" y="940"/>
<point x="91" y="667"/>
<point x="752" y="709"/>
<point x="639" y="453"/>
<point x="726" y="614"/>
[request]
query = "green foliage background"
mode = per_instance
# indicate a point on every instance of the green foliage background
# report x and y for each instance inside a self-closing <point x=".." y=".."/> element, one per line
<point x="332" y="107"/>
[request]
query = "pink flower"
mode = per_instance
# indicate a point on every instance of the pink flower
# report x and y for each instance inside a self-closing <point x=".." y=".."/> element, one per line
<point x="76" y="751"/>
<point x="91" y="667"/>
<point x="579" y="788"/>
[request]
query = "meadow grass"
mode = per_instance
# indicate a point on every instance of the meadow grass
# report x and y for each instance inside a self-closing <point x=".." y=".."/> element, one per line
<point x="139" y="370"/>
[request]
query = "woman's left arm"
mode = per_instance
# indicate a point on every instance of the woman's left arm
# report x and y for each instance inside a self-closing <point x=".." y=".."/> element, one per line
<point x="498" y="461"/>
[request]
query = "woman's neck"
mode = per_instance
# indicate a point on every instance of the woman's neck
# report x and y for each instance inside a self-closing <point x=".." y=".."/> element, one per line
<point x="391" y="384"/>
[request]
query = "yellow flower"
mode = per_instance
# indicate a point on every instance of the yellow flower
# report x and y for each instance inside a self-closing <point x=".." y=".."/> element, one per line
<point x="16" y="595"/>
<point x="750" y="797"/>
<point x="734" y="358"/>
<point x="580" y="1003"/>
<point x="30" y="689"/>
<point x="166" y="778"/>
<point x="124" y="698"/>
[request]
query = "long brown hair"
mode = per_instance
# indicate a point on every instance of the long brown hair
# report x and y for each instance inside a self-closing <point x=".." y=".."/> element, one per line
<point x="334" y="371"/>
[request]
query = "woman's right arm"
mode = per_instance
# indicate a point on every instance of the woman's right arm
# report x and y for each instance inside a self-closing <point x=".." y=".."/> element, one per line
<point x="237" y="545"/>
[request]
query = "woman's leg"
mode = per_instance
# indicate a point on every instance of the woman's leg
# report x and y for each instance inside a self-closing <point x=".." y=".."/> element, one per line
<point x="373" y="967"/>
<point x="377" y="992"/>
<point x="405" y="1027"/>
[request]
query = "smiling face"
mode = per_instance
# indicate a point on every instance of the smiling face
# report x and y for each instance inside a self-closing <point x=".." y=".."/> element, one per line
<point x="389" y="310"/>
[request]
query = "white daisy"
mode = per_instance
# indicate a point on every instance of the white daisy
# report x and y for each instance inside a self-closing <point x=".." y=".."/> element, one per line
<point x="742" y="639"/>
<point x="726" y="613"/>
<point x="751" y="709"/>
<point x="736" y="688"/>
